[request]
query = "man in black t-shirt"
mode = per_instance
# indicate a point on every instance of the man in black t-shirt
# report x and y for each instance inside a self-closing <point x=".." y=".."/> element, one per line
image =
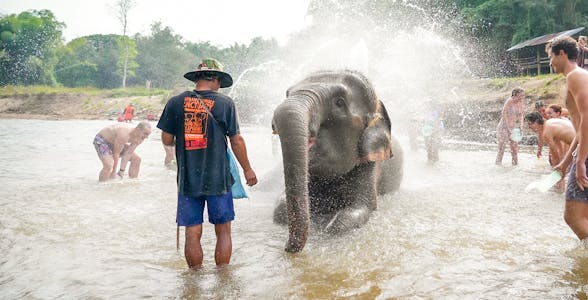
<point x="196" y="123"/>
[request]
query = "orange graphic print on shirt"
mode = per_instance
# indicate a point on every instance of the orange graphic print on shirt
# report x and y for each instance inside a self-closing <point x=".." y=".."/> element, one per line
<point x="196" y="122"/>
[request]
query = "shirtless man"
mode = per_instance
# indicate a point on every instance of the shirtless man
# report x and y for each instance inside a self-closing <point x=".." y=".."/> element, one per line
<point x="562" y="58"/>
<point x="558" y="134"/>
<point x="120" y="141"/>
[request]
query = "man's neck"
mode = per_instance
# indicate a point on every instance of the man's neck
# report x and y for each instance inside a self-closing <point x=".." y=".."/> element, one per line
<point x="570" y="67"/>
<point x="204" y="85"/>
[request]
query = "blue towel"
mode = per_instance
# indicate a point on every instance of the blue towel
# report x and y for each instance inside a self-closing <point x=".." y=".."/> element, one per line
<point x="237" y="189"/>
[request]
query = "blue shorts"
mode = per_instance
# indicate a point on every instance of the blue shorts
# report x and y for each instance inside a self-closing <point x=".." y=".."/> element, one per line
<point x="191" y="209"/>
<point x="573" y="191"/>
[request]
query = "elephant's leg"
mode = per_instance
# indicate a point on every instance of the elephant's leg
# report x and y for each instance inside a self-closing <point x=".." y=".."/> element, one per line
<point x="348" y="218"/>
<point x="281" y="211"/>
<point x="359" y="191"/>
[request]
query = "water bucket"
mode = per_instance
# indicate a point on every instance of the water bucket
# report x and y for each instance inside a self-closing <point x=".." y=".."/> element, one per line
<point x="427" y="130"/>
<point x="516" y="135"/>
<point x="549" y="181"/>
<point x="545" y="183"/>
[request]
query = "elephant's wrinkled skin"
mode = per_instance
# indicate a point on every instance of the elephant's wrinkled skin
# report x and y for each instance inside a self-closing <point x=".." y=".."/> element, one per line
<point x="338" y="154"/>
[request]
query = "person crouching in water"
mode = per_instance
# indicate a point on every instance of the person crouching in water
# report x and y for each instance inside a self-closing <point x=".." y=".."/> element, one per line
<point x="119" y="141"/>
<point x="558" y="134"/>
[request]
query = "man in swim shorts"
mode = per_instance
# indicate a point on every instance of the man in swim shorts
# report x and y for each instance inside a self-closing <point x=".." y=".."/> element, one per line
<point x="119" y="141"/>
<point x="197" y="123"/>
<point x="562" y="58"/>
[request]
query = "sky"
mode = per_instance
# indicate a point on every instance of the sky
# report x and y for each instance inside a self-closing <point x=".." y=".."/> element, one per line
<point x="222" y="22"/>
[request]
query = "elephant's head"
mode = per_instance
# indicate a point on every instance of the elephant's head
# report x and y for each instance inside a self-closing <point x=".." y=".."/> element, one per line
<point x="330" y="122"/>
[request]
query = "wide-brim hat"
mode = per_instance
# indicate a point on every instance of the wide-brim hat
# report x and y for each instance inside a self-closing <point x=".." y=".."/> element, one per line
<point x="211" y="65"/>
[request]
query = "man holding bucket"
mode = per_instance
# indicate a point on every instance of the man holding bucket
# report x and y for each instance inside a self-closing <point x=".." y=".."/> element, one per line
<point x="197" y="123"/>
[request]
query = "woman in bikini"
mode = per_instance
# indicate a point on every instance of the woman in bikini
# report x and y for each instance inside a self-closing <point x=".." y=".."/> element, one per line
<point x="511" y="118"/>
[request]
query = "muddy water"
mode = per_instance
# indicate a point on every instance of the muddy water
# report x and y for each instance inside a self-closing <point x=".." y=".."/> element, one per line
<point x="461" y="228"/>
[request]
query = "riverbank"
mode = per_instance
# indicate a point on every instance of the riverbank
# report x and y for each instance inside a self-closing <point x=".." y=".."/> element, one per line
<point x="472" y="115"/>
<point x="47" y="103"/>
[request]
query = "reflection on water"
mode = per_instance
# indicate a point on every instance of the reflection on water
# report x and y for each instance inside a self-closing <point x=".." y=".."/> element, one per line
<point x="459" y="228"/>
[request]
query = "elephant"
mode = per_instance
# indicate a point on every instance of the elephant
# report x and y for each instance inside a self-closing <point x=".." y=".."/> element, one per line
<point x="338" y="154"/>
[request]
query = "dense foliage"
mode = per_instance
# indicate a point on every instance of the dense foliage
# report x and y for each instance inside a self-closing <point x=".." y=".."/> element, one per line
<point x="32" y="49"/>
<point x="28" y="45"/>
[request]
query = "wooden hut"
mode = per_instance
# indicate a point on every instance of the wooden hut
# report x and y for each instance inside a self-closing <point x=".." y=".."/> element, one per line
<point x="529" y="56"/>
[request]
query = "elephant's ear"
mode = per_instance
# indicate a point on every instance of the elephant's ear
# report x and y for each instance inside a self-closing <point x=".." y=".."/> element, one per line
<point x="375" y="144"/>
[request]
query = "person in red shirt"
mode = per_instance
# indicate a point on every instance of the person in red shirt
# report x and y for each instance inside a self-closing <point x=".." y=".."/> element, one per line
<point x="129" y="113"/>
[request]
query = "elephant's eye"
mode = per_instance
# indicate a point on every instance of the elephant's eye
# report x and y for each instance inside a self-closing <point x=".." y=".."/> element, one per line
<point x="340" y="102"/>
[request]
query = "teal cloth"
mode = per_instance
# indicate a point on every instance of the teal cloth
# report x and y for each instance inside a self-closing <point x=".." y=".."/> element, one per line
<point x="237" y="189"/>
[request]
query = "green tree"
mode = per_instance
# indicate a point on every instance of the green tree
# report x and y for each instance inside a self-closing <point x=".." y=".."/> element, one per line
<point x="74" y="68"/>
<point x="28" y="42"/>
<point x="97" y="59"/>
<point x="162" y="58"/>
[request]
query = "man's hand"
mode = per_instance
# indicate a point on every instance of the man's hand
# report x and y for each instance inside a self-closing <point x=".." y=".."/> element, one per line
<point x="250" y="177"/>
<point x="116" y="175"/>
<point x="581" y="178"/>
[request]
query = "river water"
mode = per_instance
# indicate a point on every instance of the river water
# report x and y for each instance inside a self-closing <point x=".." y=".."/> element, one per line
<point x="462" y="228"/>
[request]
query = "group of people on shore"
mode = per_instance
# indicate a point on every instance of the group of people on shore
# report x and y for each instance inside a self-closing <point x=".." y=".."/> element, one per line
<point x="567" y="139"/>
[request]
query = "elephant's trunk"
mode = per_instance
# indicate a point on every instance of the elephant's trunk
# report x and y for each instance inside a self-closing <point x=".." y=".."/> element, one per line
<point x="291" y="120"/>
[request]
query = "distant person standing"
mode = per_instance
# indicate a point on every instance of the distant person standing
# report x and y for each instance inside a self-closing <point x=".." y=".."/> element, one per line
<point x="197" y="123"/>
<point x="582" y="49"/>
<point x="509" y="126"/>
<point x="129" y="113"/>
<point x="119" y="141"/>
<point x="558" y="133"/>
<point x="563" y="53"/>
<point x="432" y="130"/>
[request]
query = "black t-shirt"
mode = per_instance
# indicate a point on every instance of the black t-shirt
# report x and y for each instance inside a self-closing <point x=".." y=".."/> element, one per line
<point x="201" y="148"/>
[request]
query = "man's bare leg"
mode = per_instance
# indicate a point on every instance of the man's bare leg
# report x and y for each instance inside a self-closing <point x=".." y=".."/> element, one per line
<point x="576" y="216"/>
<point x="193" y="248"/>
<point x="107" y="165"/>
<point x="135" y="166"/>
<point x="224" y="245"/>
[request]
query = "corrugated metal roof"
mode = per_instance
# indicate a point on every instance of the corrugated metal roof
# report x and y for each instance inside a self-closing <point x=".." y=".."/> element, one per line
<point x="544" y="39"/>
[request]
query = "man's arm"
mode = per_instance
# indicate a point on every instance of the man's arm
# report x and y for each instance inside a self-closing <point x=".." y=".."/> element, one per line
<point x="168" y="139"/>
<point x="554" y="148"/>
<point x="577" y="85"/>
<point x="117" y="149"/>
<point x="541" y="142"/>
<point x="240" y="150"/>
<point x="125" y="157"/>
